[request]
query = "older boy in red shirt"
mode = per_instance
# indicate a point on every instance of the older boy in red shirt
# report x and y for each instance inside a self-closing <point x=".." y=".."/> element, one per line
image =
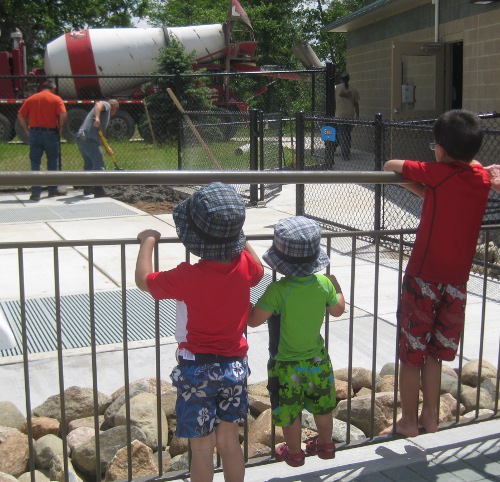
<point x="432" y="308"/>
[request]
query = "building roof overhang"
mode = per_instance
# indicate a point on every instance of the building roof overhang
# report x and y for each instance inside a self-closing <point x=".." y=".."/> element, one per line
<point x="372" y="13"/>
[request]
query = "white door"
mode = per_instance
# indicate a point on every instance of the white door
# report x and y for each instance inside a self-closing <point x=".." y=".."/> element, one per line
<point x="417" y="80"/>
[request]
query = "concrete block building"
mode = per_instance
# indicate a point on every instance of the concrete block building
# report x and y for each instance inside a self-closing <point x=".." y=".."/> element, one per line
<point x="419" y="58"/>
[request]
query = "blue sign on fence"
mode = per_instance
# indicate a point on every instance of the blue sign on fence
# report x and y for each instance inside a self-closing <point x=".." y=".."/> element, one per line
<point x="328" y="133"/>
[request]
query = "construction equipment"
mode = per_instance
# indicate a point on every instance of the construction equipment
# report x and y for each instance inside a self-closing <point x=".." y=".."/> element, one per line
<point x="109" y="150"/>
<point x="85" y="62"/>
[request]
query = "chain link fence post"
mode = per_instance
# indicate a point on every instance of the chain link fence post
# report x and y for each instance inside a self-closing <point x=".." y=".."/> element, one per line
<point x="379" y="132"/>
<point x="262" y="187"/>
<point x="330" y="111"/>
<point x="299" y="160"/>
<point x="254" y="152"/>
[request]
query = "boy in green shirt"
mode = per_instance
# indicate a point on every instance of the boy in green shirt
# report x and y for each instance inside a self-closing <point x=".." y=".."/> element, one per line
<point x="300" y="373"/>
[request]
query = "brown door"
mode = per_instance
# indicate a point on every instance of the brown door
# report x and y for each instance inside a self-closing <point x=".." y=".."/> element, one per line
<point x="417" y="80"/>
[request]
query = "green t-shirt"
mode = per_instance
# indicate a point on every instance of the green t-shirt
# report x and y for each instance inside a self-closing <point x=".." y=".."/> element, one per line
<point x="301" y="303"/>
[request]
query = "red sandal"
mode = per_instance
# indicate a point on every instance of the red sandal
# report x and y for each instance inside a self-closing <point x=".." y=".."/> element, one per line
<point x="283" y="455"/>
<point x="323" y="451"/>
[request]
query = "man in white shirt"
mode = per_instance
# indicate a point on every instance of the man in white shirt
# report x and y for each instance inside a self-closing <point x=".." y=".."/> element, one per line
<point x="347" y="106"/>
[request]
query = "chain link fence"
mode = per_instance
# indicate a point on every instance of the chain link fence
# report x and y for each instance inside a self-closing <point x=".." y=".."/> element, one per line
<point x="142" y="135"/>
<point x="389" y="206"/>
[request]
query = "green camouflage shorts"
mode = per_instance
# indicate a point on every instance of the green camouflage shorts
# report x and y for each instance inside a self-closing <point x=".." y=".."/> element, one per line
<point x="299" y="384"/>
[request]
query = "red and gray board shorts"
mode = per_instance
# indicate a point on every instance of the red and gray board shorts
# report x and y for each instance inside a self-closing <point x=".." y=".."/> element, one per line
<point x="431" y="317"/>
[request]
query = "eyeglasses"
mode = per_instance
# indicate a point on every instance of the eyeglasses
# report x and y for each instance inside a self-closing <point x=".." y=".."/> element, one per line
<point x="432" y="146"/>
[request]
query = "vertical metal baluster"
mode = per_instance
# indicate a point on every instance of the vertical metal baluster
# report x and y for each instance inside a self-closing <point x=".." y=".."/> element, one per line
<point x="93" y="348"/>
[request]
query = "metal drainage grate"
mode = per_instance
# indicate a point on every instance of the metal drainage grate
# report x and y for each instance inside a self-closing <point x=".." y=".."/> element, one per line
<point x="75" y="319"/>
<point x="65" y="212"/>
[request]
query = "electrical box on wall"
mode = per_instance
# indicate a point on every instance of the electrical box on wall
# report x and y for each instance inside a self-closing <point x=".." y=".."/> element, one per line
<point x="408" y="93"/>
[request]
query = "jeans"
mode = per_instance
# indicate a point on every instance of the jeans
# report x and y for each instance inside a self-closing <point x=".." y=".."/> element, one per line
<point x="93" y="159"/>
<point x="344" y="140"/>
<point x="40" y="142"/>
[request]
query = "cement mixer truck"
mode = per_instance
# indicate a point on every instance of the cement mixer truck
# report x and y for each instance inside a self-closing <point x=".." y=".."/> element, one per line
<point x="95" y="64"/>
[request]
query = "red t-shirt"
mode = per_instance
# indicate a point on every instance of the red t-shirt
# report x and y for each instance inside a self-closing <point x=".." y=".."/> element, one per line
<point x="455" y="198"/>
<point x="43" y="109"/>
<point x="217" y="298"/>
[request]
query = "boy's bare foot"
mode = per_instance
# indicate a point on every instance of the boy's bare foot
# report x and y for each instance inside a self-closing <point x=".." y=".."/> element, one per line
<point x="402" y="428"/>
<point x="429" y="424"/>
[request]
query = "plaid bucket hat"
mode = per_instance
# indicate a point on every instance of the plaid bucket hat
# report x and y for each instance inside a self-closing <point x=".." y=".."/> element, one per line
<point x="209" y="223"/>
<point x="296" y="248"/>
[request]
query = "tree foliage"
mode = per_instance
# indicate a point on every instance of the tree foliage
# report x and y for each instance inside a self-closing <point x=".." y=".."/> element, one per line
<point x="278" y="24"/>
<point x="41" y="21"/>
<point x="178" y="13"/>
<point x="173" y="65"/>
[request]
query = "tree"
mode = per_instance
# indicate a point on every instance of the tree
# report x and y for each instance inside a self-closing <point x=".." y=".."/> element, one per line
<point x="173" y="66"/>
<point x="178" y="13"/>
<point x="43" y="20"/>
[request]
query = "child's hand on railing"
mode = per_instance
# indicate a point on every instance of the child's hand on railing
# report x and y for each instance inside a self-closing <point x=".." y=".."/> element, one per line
<point x="494" y="171"/>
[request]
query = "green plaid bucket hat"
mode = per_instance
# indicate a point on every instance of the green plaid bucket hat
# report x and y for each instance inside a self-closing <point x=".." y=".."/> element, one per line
<point x="296" y="248"/>
<point x="210" y="222"/>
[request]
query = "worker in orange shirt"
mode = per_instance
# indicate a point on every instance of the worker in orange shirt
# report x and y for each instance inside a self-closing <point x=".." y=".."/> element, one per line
<point x="42" y="116"/>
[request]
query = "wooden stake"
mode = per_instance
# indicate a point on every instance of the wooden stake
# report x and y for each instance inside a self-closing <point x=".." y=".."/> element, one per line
<point x="194" y="129"/>
<point x="149" y="122"/>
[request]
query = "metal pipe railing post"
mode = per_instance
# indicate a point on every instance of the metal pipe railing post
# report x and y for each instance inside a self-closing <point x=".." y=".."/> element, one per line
<point x="379" y="130"/>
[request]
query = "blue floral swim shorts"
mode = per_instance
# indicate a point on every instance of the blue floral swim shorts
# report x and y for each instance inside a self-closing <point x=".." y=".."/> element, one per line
<point x="208" y="393"/>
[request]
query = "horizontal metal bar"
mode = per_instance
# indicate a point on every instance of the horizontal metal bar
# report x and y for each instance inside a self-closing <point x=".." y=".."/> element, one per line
<point x="17" y="178"/>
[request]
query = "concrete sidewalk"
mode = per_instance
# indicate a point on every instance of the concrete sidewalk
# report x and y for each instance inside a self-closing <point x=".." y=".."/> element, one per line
<point x="468" y="453"/>
<point x="455" y="455"/>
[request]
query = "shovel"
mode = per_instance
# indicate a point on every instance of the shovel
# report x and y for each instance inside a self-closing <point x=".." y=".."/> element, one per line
<point x="108" y="149"/>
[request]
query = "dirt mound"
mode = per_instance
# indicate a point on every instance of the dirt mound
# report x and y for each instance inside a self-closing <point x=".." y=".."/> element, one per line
<point x="150" y="199"/>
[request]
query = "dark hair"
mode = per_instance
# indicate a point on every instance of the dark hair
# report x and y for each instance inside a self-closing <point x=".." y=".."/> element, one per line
<point x="48" y="84"/>
<point x="345" y="75"/>
<point x="459" y="133"/>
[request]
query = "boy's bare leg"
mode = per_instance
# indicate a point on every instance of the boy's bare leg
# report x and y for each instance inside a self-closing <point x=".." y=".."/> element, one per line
<point x="324" y="424"/>
<point x="409" y="384"/>
<point x="431" y="373"/>
<point x="202" y="461"/>
<point x="293" y="435"/>
<point x="228" y="445"/>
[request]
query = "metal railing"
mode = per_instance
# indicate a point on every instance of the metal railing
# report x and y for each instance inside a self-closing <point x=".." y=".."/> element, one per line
<point x="356" y="249"/>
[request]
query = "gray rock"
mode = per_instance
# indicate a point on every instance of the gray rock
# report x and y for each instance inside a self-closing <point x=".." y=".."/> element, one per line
<point x="260" y="431"/>
<point x="339" y="433"/>
<point x="79" y="436"/>
<point x="179" y="462"/>
<point x="360" y="412"/>
<point x="470" y="372"/>
<point x="143" y="463"/>
<point x="112" y="440"/>
<point x="79" y="403"/>
<point x="14" y="451"/>
<point x="361" y="377"/>
<point x="144" y="415"/>
<point x="141" y="386"/>
<point x="490" y="385"/>
<point x="10" y="416"/>
<point x="46" y="448"/>
<point x="26" y="477"/>
<point x="388" y="369"/>
<point x="469" y="396"/>
<point x="57" y="471"/>
<point x="449" y="384"/>
<point x="4" y="477"/>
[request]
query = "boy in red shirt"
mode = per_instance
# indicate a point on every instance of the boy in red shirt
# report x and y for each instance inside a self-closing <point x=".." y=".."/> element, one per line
<point x="432" y="307"/>
<point x="213" y="300"/>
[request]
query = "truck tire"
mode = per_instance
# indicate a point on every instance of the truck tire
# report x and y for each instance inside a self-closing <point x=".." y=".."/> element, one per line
<point x="7" y="131"/>
<point x="73" y="123"/>
<point x="121" y="126"/>
<point x="21" y="133"/>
